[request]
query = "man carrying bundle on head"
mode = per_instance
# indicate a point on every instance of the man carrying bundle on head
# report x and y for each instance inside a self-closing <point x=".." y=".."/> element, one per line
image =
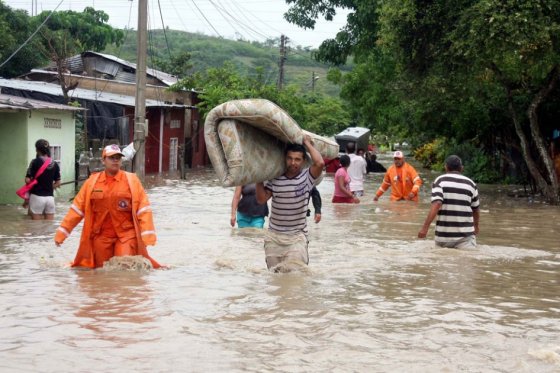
<point x="286" y="240"/>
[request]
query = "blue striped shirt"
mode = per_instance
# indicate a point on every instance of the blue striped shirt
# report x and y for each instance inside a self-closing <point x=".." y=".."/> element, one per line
<point x="290" y="198"/>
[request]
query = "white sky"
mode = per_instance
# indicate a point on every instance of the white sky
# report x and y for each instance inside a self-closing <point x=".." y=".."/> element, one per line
<point x="231" y="19"/>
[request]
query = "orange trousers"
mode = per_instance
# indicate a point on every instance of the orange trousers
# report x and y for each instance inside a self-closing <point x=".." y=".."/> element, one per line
<point x="104" y="248"/>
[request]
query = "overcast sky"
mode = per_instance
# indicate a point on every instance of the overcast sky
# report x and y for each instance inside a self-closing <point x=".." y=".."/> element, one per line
<point x="232" y="19"/>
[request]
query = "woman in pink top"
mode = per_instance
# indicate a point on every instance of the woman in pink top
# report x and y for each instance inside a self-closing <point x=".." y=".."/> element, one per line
<point x="342" y="193"/>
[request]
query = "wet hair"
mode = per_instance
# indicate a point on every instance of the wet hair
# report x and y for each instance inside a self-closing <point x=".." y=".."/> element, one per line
<point x="344" y="160"/>
<point x="42" y="147"/>
<point x="453" y="163"/>
<point x="295" y="148"/>
<point x="350" y="147"/>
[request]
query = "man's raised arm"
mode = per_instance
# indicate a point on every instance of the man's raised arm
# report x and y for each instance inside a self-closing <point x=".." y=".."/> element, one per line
<point x="316" y="168"/>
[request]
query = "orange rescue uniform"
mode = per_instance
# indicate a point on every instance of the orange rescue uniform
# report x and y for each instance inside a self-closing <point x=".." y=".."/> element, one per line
<point x="118" y="220"/>
<point x="402" y="181"/>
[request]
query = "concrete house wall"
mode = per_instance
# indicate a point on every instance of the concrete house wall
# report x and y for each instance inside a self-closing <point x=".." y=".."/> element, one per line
<point x="18" y="133"/>
<point x="13" y="151"/>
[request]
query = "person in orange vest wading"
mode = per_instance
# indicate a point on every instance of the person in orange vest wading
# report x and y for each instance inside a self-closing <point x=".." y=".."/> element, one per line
<point x="403" y="180"/>
<point x="117" y="215"/>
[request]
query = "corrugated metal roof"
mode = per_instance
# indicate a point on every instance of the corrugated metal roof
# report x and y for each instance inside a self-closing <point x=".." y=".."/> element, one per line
<point x="79" y="93"/>
<point x="15" y="103"/>
<point x="102" y="66"/>
<point x="160" y="75"/>
<point x="76" y="66"/>
<point x="123" y="76"/>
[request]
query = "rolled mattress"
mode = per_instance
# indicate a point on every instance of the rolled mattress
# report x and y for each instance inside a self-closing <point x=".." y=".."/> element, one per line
<point x="246" y="139"/>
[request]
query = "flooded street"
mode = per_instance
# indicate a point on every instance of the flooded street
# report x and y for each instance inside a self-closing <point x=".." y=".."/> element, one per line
<point x="375" y="299"/>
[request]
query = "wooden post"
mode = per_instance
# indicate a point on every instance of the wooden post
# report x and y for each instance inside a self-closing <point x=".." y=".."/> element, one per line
<point x="140" y="109"/>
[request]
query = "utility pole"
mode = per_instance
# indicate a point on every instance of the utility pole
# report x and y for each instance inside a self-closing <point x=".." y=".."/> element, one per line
<point x="140" y="109"/>
<point x="283" y="52"/>
<point x="313" y="80"/>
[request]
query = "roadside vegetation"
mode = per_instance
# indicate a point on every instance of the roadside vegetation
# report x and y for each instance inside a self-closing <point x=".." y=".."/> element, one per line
<point x="478" y="78"/>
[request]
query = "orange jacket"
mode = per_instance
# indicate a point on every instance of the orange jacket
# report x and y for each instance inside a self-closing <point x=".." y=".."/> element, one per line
<point x="402" y="181"/>
<point x="129" y="212"/>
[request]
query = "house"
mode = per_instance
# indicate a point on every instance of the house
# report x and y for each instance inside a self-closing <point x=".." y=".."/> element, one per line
<point x="22" y="122"/>
<point x="102" y="73"/>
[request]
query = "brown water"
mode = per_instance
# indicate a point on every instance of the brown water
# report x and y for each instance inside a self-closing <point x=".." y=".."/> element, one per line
<point x="376" y="299"/>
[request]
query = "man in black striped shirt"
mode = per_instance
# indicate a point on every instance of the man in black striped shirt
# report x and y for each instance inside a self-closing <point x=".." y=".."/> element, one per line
<point x="286" y="240"/>
<point x="455" y="203"/>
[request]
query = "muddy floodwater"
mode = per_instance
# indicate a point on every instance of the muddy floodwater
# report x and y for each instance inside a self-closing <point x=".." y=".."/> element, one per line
<point x="375" y="298"/>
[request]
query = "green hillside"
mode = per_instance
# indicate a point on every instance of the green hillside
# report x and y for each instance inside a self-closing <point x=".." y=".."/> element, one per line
<point x="208" y="51"/>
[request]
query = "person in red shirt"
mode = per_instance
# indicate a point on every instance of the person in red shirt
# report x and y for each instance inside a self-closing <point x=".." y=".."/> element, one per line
<point x="342" y="192"/>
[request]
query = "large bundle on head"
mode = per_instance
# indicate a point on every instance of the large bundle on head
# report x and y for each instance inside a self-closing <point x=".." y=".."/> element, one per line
<point x="246" y="140"/>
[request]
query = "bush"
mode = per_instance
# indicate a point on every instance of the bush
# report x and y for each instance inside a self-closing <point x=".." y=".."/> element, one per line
<point x="478" y="165"/>
<point x="432" y="154"/>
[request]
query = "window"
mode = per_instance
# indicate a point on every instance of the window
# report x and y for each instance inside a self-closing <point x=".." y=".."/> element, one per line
<point x="56" y="153"/>
<point x="52" y="123"/>
<point x="173" y="150"/>
<point x="175" y="123"/>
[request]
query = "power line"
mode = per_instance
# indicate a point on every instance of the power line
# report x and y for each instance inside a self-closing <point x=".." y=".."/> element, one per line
<point x="237" y="9"/>
<point x="224" y="17"/>
<point x="32" y="35"/>
<point x="211" y="25"/>
<point x="164" y="33"/>
<point x="237" y="20"/>
<point x="120" y="47"/>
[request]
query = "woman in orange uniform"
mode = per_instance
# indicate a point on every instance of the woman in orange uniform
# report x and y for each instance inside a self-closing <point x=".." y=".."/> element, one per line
<point x="118" y="217"/>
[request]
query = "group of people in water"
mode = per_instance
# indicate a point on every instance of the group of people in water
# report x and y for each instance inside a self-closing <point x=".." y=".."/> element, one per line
<point x="118" y="218"/>
<point x="455" y="201"/>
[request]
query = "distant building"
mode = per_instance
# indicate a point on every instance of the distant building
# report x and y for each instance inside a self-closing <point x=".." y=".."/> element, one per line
<point x="106" y="86"/>
<point x="22" y="122"/>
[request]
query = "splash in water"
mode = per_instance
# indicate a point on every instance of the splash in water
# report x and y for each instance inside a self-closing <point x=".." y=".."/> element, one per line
<point x="128" y="263"/>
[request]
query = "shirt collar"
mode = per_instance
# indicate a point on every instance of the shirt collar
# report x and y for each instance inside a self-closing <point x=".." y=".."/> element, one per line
<point x="117" y="177"/>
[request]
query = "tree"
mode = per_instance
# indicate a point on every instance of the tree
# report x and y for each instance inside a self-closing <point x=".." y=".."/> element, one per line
<point x="178" y="64"/>
<point x="68" y="33"/>
<point x="218" y="85"/>
<point x="326" y="115"/>
<point x="356" y="38"/>
<point x="459" y="68"/>
<point x="15" y="28"/>
<point x="510" y="43"/>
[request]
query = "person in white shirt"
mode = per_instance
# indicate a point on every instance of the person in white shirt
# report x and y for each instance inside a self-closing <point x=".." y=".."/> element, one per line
<point x="356" y="170"/>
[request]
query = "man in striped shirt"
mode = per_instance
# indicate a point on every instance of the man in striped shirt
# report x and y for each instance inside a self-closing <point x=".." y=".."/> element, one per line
<point x="455" y="203"/>
<point x="286" y="239"/>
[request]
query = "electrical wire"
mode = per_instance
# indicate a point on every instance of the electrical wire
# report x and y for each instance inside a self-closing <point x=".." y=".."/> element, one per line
<point x="224" y="17"/>
<point x="211" y="25"/>
<point x="164" y="33"/>
<point x="32" y="35"/>
<point x="120" y="47"/>
<point x="236" y="20"/>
